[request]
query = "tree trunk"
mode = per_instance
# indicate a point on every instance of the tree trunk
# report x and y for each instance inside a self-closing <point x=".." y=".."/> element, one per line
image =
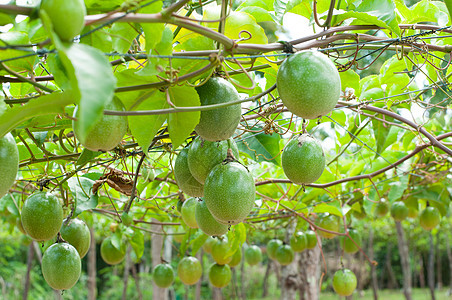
<point x="373" y="268"/>
<point x="290" y="281"/>
<point x="449" y="257"/>
<point x="92" y="285"/>
<point x="439" y="273"/>
<point x="392" y="280"/>
<point x="405" y="261"/>
<point x="136" y="278"/>
<point x="309" y="272"/>
<point x="431" y="267"/>
<point x="125" y="277"/>
<point x="156" y="249"/>
<point x="421" y="272"/>
<point x="30" y="256"/>
<point x="216" y="294"/>
<point x="265" y="281"/>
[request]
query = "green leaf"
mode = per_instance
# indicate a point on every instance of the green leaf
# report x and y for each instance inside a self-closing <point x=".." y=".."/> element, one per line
<point x="123" y="35"/>
<point x="152" y="32"/>
<point x="144" y="128"/>
<point x="44" y="105"/>
<point x="86" y="156"/>
<point x="397" y="188"/>
<point x="100" y="39"/>
<point x="328" y="208"/>
<point x="95" y="82"/>
<point x="80" y="188"/>
<point x="260" y="14"/>
<point x="197" y="243"/>
<point x="376" y="12"/>
<point x="429" y="11"/>
<point x="181" y="125"/>
<point x="261" y="147"/>
<point x="381" y="131"/>
<point x="349" y="79"/>
<point x="155" y="65"/>
<point x="137" y="243"/>
<point x="236" y="238"/>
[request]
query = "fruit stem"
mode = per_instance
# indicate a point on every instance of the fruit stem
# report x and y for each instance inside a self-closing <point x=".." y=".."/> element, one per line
<point x="229" y="157"/>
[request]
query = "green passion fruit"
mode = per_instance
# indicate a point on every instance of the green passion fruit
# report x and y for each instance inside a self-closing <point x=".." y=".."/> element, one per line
<point x="220" y="123"/>
<point x="311" y="239"/>
<point x="298" y="241"/>
<point x="185" y="180"/>
<point x="272" y="246"/>
<point x="107" y="132"/>
<point x="429" y="218"/>
<point x="189" y="270"/>
<point x="309" y="84"/>
<point x="110" y="254"/>
<point x="229" y="193"/>
<point x="220" y="275"/>
<point x="382" y="208"/>
<point x="219" y="251"/>
<point x="206" y="222"/>
<point x="163" y="275"/>
<point x="328" y="222"/>
<point x="303" y="160"/>
<point x="68" y="17"/>
<point x="77" y="234"/>
<point x="61" y="266"/>
<point x="9" y="163"/>
<point x="188" y="212"/>
<point x="42" y="216"/>
<point x="204" y="155"/>
<point x="253" y="255"/>
<point x="399" y="211"/>
<point x="284" y="255"/>
<point x="347" y="243"/>
<point x="236" y="258"/>
<point x="208" y="244"/>
<point x="344" y="282"/>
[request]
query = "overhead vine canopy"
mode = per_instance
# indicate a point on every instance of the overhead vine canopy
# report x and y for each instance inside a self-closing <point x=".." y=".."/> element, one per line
<point x="389" y="136"/>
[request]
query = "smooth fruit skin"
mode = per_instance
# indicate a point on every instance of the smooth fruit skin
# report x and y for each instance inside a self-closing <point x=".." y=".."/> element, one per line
<point x="220" y="275"/>
<point x="220" y="123"/>
<point x="412" y="212"/>
<point x="311" y="239"/>
<point x="229" y="193"/>
<point x="110" y="254"/>
<point x="309" y="84"/>
<point x="219" y="250"/>
<point x="67" y="16"/>
<point x="185" y="180"/>
<point x="208" y="244"/>
<point x="272" y="246"/>
<point x="9" y="163"/>
<point x="381" y="209"/>
<point x="329" y="222"/>
<point x="42" y="216"/>
<point x="61" y="266"/>
<point x="203" y="156"/>
<point x="284" y="255"/>
<point x="253" y="255"/>
<point x="77" y="234"/>
<point x="344" y="282"/>
<point x="303" y="160"/>
<point x="399" y="211"/>
<point x="107" y="132"/>
<point x="163" y="275"/>
<point x="189" y="270"/>
<point x="207" y="222"/>
<point x="348" y="245"/>
<point x="298" y="242"/>
<point x="236" y="258"/>
<point x="429" y="218"/>
<point x="188" y="212"/>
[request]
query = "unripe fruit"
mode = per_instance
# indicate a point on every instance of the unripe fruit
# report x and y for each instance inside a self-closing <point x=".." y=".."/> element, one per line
<point x="399" y="211"/>
<point x="272" y="246"/>
<point x="107" y="132"/>
<point x="163" y="275"/>
<point x="229" y="193"/>
<point x="61" y="266"/>
<point x="311" y="239"/>
<point x="203" y="156"/>
<point x="328" y="222"/>
<point x="68" y="17"/>
<point x="42" y="216"/>
<point x="284" y="255"/>
<point x="208" y="244"/>
<point x="189" y="270"/>
<point x="188" y="212"/>
<point x="303" y="160"/>
<point x="412" y="212"/>
<point x="219" y="251"/>
<point x="126" y="218"/>
<point x="110" y="254"/>
<point x="9" y="163"/>
<point x="382" y="208"/>
<point x="207" y="222"/>
<point x="348" y="245"/>
<point x="253" y="255"/>
<point x="309" y="84"/>
<point x="236" y="258"/>
<point x="220" y="123"/>
<point x="344" y="282"/>
<point x="185" y="180"/>
<point x="220" y="275"/>
<point x="298" y="242"/>
<point x="429" y="218"/>
<point x="77" y="234"/>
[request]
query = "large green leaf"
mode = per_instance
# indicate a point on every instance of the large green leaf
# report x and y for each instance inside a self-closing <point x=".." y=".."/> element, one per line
<point x="122" y="36"/>
<point x="80" y="188"/>
<point x="181" y="125"/>
<point x="381" y="131"/>
<point x="261" y="147"/>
